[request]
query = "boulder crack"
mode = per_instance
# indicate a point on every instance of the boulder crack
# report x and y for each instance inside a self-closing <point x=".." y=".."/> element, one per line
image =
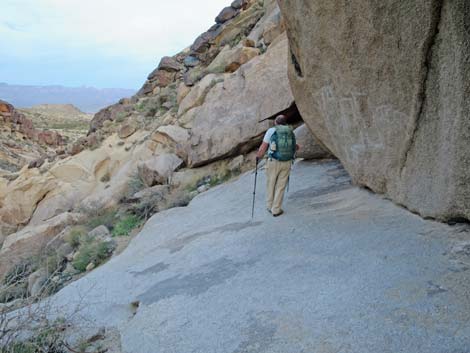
<point x="427" y="55"/>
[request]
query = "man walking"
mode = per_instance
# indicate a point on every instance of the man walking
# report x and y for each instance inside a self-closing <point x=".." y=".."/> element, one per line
<point x="280" y="143"/>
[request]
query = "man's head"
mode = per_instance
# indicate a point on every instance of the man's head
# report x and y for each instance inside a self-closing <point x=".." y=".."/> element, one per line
<point x="280" y="120"/>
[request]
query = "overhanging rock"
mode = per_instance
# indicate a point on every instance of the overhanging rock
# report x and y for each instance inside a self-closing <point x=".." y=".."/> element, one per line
<point x="385" y="88"/>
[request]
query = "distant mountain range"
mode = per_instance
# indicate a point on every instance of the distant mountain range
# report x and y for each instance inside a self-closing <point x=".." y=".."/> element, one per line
<point x="87" y="99"/>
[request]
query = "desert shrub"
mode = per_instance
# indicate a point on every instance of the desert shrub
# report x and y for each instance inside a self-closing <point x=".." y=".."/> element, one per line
<point x="148" y="206"/>
<point x="120" y="117"/>
<point x="19" y="290"/>
<point x="126" y="225"/>
<point x="135" y="184"/>
<point x="92" y="251"/>
<point x="44" y="341"/>
<point x="74" y="236"/>
<point x="102" y="217"/>
<point x="52" y="263"/>
<point x="44" y="336"/>
<point x="19" y="272"/>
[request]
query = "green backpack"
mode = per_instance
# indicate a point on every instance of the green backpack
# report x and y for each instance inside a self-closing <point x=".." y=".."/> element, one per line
<point x="282" y="145"/>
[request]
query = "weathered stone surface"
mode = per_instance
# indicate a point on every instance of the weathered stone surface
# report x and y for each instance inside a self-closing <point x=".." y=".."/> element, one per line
<point x="235" y="164"/>
<point x="157" y="79"/>
<point x="182" y="92"/>
<point x="31" y="240"/>
<point x="226" y="14"/>
<point x="168" y="63"/>
<point x="192" y="76"/>
<point x="309" y="145"/>
<point x="191" y="61"/>
<point x="157" y="192"/>
<point x="229" y="60"/>
<point x="158" y="169"/>
<point x="198" y="93"/>
<point x="126" y="130"/>
<point x="238" y="27"/>
<point x="385" y="88"/>
<point x="171" y="134"/>
<point x="23" y="195"/>
<point x="109" y="113"/>
<point x="238" y="4"/>
<point x="36" y="281"/>
<point x="271" y="19"/>
<point x="207" y="276"/>
<point x="101" y="232"/>
<point x="228" y="121"/>
<point x="241" y="56"/>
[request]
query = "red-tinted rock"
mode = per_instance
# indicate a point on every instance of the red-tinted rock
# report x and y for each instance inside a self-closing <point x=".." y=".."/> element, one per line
<point x="169" y="64"/>
<point x="227" y="14"/>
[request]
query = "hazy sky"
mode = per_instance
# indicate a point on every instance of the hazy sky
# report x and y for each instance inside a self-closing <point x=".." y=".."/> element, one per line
<point x="101" y="43"/>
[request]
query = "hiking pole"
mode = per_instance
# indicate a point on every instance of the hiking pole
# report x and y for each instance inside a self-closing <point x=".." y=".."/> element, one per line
<point x="254" y="190"/>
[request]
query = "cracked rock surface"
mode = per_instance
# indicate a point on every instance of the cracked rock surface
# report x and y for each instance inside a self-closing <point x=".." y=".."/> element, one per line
<point x="385" y="87"/>
<point x="343" y="270"/>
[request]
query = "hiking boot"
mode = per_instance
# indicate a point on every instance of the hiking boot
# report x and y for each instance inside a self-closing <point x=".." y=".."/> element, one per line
<point x="278" y="214"/>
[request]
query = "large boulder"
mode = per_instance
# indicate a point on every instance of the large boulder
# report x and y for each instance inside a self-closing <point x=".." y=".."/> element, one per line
<point x="21" y="197"/>
<point x="198" y="93"/>
<point x="310" y="148"/>
<point x="158" y="169"/>
<point x="32" y="240"/>
<point x="226" y="14"/>
<point x="229" y="60"/>
<point x="228" y="122"/>
<point x="385" y="87"/>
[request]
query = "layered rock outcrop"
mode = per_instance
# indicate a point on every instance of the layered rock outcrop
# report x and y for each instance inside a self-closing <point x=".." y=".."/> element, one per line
<point x="22" y="143"/>
<point x="385" y="87"/>
<point x="196" y="111"/>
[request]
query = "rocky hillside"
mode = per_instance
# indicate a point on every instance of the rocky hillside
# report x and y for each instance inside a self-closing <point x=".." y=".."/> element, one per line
<point x="22" y="143"/>
<point x="66" y="119"/>
<point x="382" y="86"/>
<point x="193" y="125"/>
<point x="386" y="89"/>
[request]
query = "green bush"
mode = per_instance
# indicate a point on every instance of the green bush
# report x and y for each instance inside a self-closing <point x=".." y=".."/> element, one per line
<point x="126" y="225"/>
<point x="46" y="339"/>
<point x="106" y="218"/>
<point x="74" y="236"/>
<point x="120" y="117"/>
<point x="92" y="251"/>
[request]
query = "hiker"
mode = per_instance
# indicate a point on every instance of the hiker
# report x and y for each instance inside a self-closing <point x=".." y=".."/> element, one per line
<point x="280" y="143"/>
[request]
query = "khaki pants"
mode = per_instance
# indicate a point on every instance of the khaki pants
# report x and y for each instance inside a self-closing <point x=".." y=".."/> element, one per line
<point x="277" y="176"/>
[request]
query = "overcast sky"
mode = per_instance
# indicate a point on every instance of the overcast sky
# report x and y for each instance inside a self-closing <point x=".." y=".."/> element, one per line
<point x="100" y="43"/>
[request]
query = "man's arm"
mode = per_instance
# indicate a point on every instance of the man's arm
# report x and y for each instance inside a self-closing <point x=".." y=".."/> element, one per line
<point x="262" y="150"/>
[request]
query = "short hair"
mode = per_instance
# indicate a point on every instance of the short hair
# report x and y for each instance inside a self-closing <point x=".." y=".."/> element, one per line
<point x="281" y="120"/>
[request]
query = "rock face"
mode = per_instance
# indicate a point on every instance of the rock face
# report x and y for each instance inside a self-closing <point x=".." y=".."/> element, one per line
<point x="228" y="120"/>
<point x="385" y="88"/>
<point x="19" y="123"/>
<point x="208" y="276"/>
<point x="309" y="146"/>
<point x="32" y="240"/>
<point x="184" y="117"/>
<point x="157" y="170"/>
<point x="20" y="142"/>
